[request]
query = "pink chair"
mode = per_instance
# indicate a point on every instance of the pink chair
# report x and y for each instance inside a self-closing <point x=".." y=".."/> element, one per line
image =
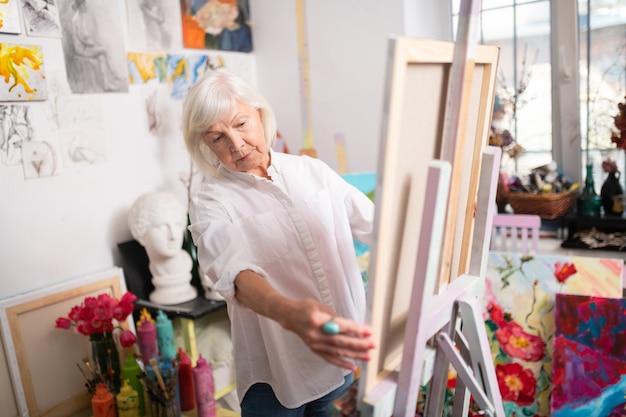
<point x="515" y="233"/>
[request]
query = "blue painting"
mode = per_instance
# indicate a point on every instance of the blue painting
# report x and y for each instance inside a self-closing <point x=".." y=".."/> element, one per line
<point x="366" y="183"/>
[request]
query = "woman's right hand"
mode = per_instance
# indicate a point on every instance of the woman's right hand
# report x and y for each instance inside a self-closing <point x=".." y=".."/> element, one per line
<point x="306" y="318"/>
<point x="353" y="342"/>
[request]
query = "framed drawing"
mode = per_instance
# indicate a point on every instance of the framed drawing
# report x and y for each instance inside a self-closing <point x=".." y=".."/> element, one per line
<point x="41" y="358"/>
<point x="418" y="78"/>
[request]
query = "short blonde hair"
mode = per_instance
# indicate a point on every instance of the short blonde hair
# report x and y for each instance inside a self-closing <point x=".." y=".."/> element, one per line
<point x="209" y="100"/>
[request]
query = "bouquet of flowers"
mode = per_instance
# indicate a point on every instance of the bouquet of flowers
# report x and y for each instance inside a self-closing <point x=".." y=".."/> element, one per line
<point x="98" y="317"/>
<point x="503" y="139"/>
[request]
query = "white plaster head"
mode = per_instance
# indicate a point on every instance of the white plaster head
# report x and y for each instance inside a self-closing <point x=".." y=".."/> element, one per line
<point x="158" y="221"/>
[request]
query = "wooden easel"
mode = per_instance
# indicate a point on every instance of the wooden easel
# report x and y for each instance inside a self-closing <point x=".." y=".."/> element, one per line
<point x="453" y="317"/>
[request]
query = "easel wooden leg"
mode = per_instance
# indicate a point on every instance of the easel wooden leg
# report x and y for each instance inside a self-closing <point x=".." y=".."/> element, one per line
<point x="476" y="375"/>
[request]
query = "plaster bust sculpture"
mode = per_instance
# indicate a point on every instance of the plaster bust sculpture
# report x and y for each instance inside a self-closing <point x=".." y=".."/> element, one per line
<point x="157" y="221"/>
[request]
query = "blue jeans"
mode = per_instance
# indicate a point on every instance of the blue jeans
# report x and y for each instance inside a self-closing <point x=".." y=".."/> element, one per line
<point x="260" y="401"/>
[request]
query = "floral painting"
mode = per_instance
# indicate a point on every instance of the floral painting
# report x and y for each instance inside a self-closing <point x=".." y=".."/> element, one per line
<point x="589" y="367"/>
<point x="519" y="318"/>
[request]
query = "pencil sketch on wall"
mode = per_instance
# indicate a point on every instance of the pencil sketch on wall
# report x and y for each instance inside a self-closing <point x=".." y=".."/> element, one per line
<point x="16" y="130"/>
<point x="154" y="25"/>
<point x="93" y="45"/>
<point x="39" y="159"/>
<point x="26" y="138"/>
<point x="41" y="18"/>
<point x="81" y="130"/>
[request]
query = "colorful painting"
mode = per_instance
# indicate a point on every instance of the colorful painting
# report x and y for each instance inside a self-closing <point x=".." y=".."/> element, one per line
<point x="9" y="17"/>
<point x="366" y="183"/>
<point x="184" y="70"/>
<point x="147" y="68"/>
<point x="22" y="72"/>
<point x="216" y="24"/>
<point x="519" y="318"/>
<point x="589" y="367"/>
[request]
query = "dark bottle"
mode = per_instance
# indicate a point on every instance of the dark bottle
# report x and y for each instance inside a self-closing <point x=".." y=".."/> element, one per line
<point x="610" y="189"/>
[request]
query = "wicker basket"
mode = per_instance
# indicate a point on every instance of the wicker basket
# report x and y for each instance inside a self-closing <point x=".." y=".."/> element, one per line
<point x="548" y="206"/>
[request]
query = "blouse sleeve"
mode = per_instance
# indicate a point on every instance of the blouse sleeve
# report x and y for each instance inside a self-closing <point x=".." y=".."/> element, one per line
<point x="222" y="252"/>
<point x="359" y="208"/>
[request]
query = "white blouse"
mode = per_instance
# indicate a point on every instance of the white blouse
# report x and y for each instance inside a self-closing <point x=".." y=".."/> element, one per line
<point x="297" y="231"/>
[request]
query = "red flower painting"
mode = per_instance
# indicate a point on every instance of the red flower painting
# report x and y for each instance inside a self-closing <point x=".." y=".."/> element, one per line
<point x="517" y="343"/>
<point x="516" y="383"/>
<point x="562" y="271"/>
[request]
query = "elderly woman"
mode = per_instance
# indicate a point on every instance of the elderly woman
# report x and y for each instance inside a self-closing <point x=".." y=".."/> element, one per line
<point x="275" y="234"/>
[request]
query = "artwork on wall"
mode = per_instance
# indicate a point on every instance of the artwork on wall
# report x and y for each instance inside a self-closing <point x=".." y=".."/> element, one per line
<point x="24" y="79"/>
<point x="93" y="45"/>
<point x="41" y="18"/>
<point x="519" y="305"/>
<point x="16" y="130"/>
<point x="154" y="25"/>
<point x="184" y="70"/>
<point x="27" y="138"/>
<point x="77" y="115"/>
<point x="216" y="24"/>
<point x="40" y="159"/>
<point x="147" y="68"/>
<point x="589" y="367"/>
<point x="9" y="17"/>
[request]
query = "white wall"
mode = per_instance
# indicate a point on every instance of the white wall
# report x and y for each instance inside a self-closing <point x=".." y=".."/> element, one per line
<point x="57" y="228"/>
<point x="347" y="43"/>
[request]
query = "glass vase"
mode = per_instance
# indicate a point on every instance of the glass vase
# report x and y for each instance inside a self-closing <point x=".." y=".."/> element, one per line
<point x="589" y="202"/>
<point x="611" y="188"/>
<point x="161" y="407"/>
<point x="106" y="360"/>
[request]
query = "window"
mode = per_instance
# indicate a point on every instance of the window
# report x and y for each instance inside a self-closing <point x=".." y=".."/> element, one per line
<point x="602" y="40"/>
<point x="552" y="110"/>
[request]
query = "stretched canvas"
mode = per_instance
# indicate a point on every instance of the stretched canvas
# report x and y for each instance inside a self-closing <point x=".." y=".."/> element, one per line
<point x="589" y="366"/>
<point x="217" y="24"/>
<point x="24" y="79"/>
<point x="518" y="307"/>
<point x="147" y="68"/>
<point x="9" y="17"/>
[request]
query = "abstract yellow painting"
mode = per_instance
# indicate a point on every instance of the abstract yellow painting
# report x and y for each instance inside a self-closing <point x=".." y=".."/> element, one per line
<point x="22" y="73"/>
<point x="9" y="17"/>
